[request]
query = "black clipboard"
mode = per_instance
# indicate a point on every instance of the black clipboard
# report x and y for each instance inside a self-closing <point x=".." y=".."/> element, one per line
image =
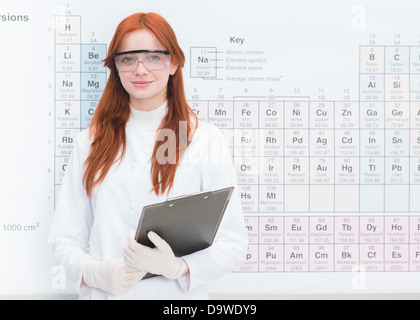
<point x="187" y="223"/>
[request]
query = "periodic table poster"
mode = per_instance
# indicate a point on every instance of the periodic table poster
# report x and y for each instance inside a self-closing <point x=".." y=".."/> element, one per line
<point x="319" y="102"/>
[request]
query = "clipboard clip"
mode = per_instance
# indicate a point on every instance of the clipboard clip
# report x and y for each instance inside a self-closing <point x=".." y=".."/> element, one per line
<point x="205" y="196"/>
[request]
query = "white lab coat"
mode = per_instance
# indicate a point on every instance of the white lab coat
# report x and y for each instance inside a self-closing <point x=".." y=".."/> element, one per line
<point x="97" y="228"/>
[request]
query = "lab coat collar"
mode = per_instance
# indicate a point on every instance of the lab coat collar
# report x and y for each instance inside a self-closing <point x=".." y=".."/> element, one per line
<point x="146" y="120"/>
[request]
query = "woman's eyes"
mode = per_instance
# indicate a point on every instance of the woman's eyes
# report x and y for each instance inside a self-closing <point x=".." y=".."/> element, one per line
<point x="154" y="58"/>
<point x="127" y="59"/>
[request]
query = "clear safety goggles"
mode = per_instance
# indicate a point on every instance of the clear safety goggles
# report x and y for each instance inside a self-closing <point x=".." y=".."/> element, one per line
<point x="152" y="60"/>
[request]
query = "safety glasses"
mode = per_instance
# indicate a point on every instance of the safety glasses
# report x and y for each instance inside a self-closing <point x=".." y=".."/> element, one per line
<point x="152" y="60"/>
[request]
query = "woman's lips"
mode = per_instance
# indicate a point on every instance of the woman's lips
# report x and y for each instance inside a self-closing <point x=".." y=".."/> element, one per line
<point x="141" y="84"/>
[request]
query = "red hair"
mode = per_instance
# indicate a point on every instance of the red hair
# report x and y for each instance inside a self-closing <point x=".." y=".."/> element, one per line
<point x="107" y="126"/>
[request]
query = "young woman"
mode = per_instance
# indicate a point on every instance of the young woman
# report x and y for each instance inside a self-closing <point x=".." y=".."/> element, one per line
<point x="144" y="144"/>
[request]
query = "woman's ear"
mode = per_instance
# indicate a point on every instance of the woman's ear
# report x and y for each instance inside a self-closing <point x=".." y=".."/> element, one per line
<point x="173" y="69"/>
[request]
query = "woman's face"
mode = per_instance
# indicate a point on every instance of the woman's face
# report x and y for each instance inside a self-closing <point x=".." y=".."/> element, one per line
<point x="147" y="89"/>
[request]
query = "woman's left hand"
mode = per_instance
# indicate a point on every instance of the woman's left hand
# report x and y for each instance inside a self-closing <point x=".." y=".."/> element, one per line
<point x="159" y="260"/>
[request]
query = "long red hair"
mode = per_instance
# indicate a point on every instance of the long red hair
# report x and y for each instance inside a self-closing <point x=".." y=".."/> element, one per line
<point x="107" y="127"/>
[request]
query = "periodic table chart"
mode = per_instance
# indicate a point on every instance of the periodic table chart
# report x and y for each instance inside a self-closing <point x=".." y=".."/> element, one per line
<point x="320" y="106"/>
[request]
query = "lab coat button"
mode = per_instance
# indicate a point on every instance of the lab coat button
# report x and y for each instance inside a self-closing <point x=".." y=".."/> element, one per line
<point x="134" y="165"/>
<point x="132" y="205"/>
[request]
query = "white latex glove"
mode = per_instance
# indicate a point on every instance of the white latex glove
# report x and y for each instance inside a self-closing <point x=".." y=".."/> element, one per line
<point x="159" y="260"/>
<point x="111" y="276"/>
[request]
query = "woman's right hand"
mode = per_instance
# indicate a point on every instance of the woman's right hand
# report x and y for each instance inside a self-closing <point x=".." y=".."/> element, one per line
<point x="111" y="276"/>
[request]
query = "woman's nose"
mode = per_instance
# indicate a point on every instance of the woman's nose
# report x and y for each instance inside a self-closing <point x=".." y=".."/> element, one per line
<point x="140" y="68"/>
